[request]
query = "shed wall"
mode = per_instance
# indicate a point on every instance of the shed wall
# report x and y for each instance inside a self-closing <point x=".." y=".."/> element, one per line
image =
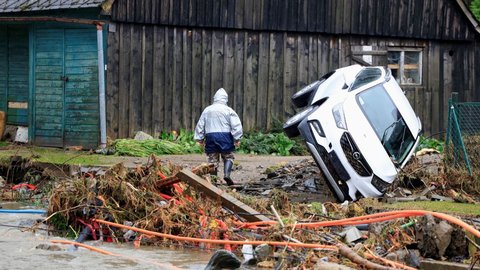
<point x="425" y="19"/>
<point x="160" y="78"/>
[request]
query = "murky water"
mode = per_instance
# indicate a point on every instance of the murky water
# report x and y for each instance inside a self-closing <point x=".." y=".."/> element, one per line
<point x="19" y="251"/>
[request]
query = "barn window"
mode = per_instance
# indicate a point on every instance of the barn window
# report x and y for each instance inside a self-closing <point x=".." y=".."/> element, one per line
<point x="406" y="66"/>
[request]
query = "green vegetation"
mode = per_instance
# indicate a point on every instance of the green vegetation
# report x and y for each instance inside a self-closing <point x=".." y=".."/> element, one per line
<point x="437" y="206"/>
<point x="182" y="143"/>
<point x="270" y="143"/>
<point x="431" y="143"/>
<point x="3" y="143"/>
<point x="475" y="8"/>
<point x="145" y="148"/>
<point x="55" y="156"/>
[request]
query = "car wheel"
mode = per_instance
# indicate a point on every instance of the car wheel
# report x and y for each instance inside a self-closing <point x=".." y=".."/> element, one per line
<point x="301" y="98"/>
<point x="290" y="128"/>
<point x="339" y="199"/>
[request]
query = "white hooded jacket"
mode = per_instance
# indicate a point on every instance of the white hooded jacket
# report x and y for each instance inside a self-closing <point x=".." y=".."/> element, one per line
<point x="219" y="125"/>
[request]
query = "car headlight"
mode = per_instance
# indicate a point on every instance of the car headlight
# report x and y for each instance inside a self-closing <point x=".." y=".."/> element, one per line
<point x="379" y="184"/>
<point x="339" y="116"/>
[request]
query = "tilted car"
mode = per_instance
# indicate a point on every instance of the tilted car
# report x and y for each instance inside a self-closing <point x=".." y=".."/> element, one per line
<point x="359" y="127"/>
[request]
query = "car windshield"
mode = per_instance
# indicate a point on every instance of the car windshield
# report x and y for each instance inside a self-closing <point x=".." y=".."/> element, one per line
<point x="387" y="122"/>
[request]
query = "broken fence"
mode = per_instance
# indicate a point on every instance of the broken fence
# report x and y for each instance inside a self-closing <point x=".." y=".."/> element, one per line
<point x="463" y="134"/>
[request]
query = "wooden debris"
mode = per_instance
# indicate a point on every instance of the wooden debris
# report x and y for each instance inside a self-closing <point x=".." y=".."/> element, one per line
<point x="199" y="170"/>
<point x="227" y="200"/>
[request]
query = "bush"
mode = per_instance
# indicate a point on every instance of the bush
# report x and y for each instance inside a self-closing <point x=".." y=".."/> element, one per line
<point x="270" y="144"/>
<point x="475" y="8"/>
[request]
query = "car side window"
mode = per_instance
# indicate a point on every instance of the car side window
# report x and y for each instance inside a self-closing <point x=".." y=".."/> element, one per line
<point x="366" y="76"/>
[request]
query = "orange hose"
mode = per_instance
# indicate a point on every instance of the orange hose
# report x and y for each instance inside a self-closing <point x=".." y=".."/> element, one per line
<point x="104" y="252"/>
<point x="378" y="217"/>
<point x="394" y="215"/>
<point x="215" y="241"/>
<point x="66" y="242"/>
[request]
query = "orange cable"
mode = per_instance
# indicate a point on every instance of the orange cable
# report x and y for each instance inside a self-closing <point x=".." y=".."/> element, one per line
<point x="215" y="241"/>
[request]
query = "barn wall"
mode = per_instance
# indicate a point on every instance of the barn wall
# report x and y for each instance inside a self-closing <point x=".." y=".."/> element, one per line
<point x="426" y="19"/>
<point x="160" y="78"/>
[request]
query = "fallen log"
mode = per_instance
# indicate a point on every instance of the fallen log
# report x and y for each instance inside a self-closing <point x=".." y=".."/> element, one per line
<point x="199" y="170"/>
<point x="215" y="193"/>
<point x="354" y="257"/>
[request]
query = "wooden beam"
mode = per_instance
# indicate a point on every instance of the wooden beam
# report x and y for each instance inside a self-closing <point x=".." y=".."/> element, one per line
<point x="369" y="52"/>
<point x="215" y="193"/>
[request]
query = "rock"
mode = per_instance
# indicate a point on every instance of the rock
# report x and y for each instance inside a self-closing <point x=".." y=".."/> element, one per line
<point x="409" y="257"/>
<point x="352" y="234"/>
<point x="443" y="232"/>
<point x="310" y="184"/>
<point x="321" y="265"/>
<point x="433" y="238"/>
<point x="432" y="163"/>
<point x="223" y="259"/>
<point x="263" y="252"/>
<point x="49" y="247"/>
<point x="2" y="182"/>
<point x="142" y="136"/>
<point x="458" y="245"/>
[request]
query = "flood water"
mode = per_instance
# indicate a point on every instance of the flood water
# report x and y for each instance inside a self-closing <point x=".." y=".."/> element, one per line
<point x="19" y="251"/>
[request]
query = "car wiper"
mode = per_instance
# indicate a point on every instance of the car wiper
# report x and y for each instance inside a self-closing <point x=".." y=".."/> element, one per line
<point x="403" y="140"/>
<point x="387" y="129"/>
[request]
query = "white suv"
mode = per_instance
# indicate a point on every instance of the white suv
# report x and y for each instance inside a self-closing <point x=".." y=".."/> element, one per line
<point x="359" y="127"/>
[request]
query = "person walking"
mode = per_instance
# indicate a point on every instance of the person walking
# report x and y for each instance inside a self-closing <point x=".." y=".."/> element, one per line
<point x="219" y="130"/>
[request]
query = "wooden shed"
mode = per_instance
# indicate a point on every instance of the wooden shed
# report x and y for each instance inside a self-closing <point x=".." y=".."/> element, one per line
<point x="49" y="72"/>
<point x="166" y="57"/>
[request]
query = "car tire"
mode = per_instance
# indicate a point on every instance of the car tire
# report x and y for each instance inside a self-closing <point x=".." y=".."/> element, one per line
<point x="346" y="197"/>
<point x="300" y="99"/>
<point x="290" y="128"/>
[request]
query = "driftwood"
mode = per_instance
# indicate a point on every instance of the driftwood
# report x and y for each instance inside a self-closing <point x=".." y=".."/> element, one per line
<point x="354" y="257"/>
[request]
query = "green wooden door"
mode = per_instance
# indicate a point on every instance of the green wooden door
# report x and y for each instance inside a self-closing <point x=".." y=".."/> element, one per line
<point x="81" y="89"/>
<point x="3" y="67"/>
<point x="66" y="88"/>
<point x="14" y="73"/>
<point x="18" y="73"/>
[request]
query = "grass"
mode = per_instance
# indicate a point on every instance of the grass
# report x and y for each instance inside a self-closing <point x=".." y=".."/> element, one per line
<point x="58" y="156"/>
<point x="462" y="209"/>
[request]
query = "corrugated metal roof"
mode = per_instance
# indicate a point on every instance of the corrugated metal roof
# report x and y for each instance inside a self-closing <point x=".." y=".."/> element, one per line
<point x="7" y="6"/>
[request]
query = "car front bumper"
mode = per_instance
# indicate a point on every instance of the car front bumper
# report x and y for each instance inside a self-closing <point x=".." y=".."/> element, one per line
<point x="343" y="178"/>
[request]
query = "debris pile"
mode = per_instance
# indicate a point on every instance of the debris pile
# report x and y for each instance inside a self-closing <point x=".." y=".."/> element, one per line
<point x="161" y="204"/>
<point x="302" y="180"/>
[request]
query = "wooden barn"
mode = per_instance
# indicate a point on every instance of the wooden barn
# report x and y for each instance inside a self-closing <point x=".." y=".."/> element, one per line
<point x="49" y="69"/>
<point x="167" y="57"/>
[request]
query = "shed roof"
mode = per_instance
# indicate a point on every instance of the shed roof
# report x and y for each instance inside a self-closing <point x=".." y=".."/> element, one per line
<point x="7" y="6"/>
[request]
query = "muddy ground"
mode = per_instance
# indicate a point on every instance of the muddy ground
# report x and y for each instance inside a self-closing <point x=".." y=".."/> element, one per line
<point x="247" y="167"/>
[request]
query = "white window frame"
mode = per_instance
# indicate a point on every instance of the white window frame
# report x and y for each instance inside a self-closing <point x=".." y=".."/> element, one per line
<point x="401" y="68"/>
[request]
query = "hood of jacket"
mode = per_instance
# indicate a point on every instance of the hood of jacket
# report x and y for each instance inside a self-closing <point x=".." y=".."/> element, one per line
<point x="220" y="96"/>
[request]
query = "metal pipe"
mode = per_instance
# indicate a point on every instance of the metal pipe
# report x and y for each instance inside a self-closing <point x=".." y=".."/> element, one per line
<point x="101" y="88"/>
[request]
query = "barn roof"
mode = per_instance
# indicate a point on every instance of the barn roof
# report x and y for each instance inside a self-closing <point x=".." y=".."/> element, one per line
<point x="469" y="15"/>
<point x="7" y="6"/>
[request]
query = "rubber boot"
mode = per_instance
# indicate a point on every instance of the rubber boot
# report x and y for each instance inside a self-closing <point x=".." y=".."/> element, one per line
<point x="228" y="165"/>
